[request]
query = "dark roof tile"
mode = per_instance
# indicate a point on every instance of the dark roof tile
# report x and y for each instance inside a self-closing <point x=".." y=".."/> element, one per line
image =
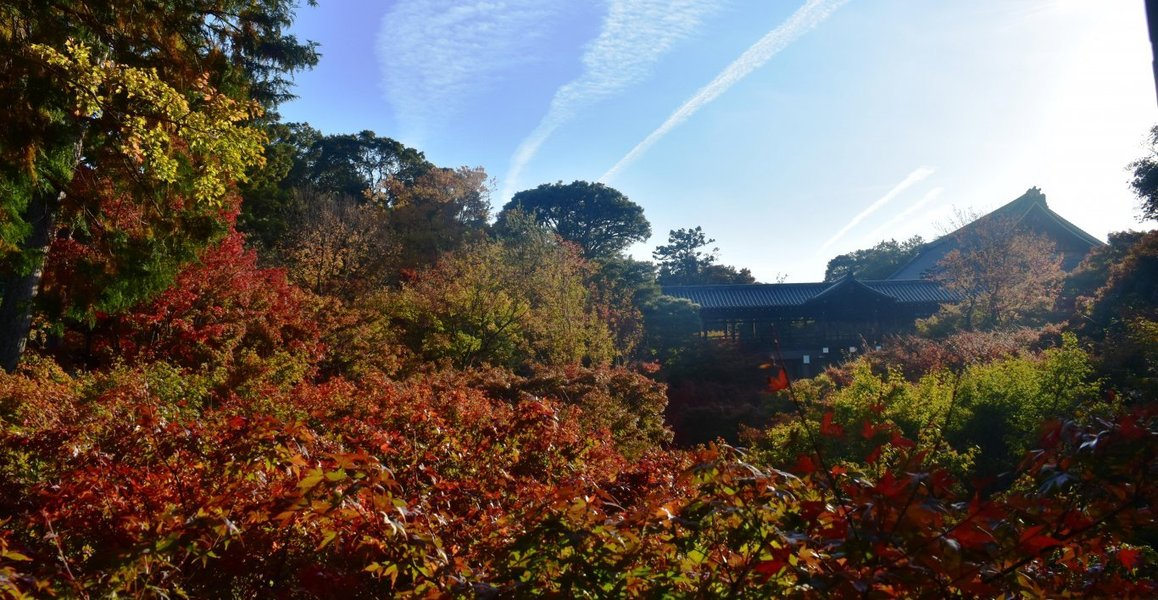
<point x="772" y="295"/>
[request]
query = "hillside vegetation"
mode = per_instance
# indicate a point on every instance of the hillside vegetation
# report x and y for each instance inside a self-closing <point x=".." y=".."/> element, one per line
<point x="244" y="358"/>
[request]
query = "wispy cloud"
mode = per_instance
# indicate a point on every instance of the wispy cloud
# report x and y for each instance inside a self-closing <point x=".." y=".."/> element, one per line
<point x="913" y="178"/>
<point x="635" y="34"/>
<point x="436" y="55"/>
<point x="804" y="19"/>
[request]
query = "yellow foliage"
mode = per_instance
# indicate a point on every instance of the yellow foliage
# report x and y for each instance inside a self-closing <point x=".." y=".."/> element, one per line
<point x="199" y="139"/>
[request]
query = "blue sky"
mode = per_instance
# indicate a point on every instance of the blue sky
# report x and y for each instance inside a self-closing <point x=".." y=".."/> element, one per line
<point x="791" y="131"/>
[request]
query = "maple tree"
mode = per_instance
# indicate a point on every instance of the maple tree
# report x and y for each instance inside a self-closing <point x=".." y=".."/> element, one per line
<point x="219" y="311"/>
<point x="436" y="486"/>
<point x="1003" y="275"/>
<point x="339" y="246"/>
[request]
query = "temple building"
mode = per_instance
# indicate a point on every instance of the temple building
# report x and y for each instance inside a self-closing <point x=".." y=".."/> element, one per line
<point x="816" y="323"/>
<point x="1027" y="213"/>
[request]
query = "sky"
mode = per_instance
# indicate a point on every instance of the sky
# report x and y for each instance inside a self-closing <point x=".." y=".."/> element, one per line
<point x="790" y="130"/>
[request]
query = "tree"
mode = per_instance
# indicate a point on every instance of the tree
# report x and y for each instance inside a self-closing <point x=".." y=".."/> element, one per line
<point x="1145" y="181"/>
<point x="621" y="288"/>
<point x="512" y="303"/>
<point x="1004" y="275"/>
<point x="146" y="105"/>
<point x="440" y="211"/>
<point x="339" y="246"/>
<point x="725" y="274"/>
<point x="682" y="261"/>
<point x="1121" y="316"/>
<point x="877" y="262"/>
<point x="597" y="218"/>
<point x="219" y="310"/>
<point x="271" y="202"/>
<point x="672" y="325"/>
<point x="361" y="165"/>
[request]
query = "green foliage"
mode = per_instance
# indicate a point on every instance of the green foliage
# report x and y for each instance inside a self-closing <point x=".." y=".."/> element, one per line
<point x="987" y="415"/>
<point x="1083" y="283"/>
<point x="598" y="219"/>
<point x="1145" y="181"/>
<point x="622" y="289"/>
<point x="364" y="165"/>
<point x="1119" y="317"/>
<point x="683" y="262"/>
<point x="270" y="199"/>
<point x="502" y="303"/>
<point x="672" y="325"/>
<point x="878" y="262"/>
<point x="1002" y="406"/>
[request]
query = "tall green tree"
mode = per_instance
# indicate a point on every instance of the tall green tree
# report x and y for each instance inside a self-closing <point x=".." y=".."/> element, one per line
<point x="597" y="218"/>
<point x="133" y="107"/>
<point x="272" y="196"/>
<point x="304" y="164"/>
<point x="621" y="289"/>
<point x="684" y="260"/>
<point x="684" y="257"/>
<point x="365" y="165"/>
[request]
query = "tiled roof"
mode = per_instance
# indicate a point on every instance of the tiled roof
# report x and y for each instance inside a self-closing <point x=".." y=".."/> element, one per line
<point x="913" y="290"/>
<point x="773" y="295"/>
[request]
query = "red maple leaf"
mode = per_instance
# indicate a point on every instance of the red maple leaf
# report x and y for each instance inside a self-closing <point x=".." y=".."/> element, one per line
<point x="779" y="381"/>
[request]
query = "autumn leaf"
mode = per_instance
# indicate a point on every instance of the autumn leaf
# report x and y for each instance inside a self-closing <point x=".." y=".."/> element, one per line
<point x="830" y="429"/>
<point x="1033" y="541"/>
<point x="1130" y="557"/>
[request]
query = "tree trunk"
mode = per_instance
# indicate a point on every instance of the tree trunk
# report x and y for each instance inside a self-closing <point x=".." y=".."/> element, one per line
<point x="19" y="288"/>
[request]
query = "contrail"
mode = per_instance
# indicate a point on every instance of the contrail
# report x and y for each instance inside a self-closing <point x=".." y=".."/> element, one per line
<point x="805" y="18"/>
<point x="929" y="196"/>
<point x="913" y="178"/>
<point x="635" y="35"/>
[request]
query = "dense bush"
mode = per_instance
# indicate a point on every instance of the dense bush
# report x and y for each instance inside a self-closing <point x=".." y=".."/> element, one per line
<point x="983" y="416"/>
<point x="623" y="402"/>
<point x="511" y="304"/>
<point x="128" y="483"/>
